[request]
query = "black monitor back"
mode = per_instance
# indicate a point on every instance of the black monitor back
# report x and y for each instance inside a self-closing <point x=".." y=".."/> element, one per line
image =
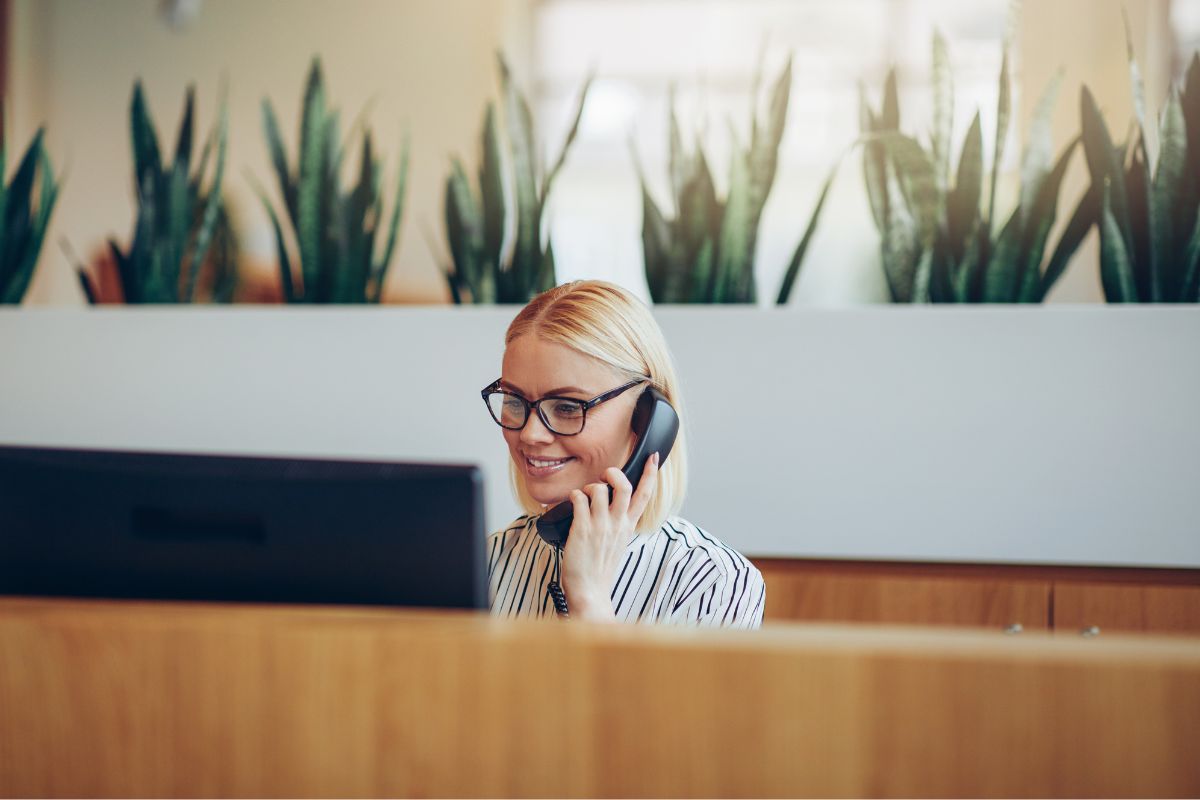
<point x="88" y="523"/>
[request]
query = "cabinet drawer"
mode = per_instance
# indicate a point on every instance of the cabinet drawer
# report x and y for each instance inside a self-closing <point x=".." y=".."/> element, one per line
<point x="840" y="594"/>
<point x="1126" y="607"/>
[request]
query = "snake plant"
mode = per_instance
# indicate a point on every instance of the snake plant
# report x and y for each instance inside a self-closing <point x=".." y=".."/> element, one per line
<point x="24" y="217"/>
<point x="177" y="217"/>
<point x="480" y="270"/>
<point x="1148" y="213"/>
<point x="939" y="240"/>
<point x="336" y="229"/>
<point x="705" y="253"/>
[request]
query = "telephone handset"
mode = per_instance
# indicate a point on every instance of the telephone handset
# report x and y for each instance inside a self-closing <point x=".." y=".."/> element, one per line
<point x="656" y="424"/>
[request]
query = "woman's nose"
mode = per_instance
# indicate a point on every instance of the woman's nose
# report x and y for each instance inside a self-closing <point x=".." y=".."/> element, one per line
<point x="535" y="430"/>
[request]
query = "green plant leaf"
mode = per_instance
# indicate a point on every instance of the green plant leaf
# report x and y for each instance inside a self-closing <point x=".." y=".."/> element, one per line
<point x="703" y="272"/>
<point x="1002" y="272"/>
<point x="962" y="204"/>
<point x="311" y="185"/>
<point x="655" y="248"/>
<point x="873" y="164"/>
<point x="1039" y="151"/>
<point x="917" y="181"/>
<point x="900" y="243"/>
<point x="1190" y="286"/>
<point x="212" y="207"/>
<point x="491" y="182"/>
<point x="380" y="271"/>
<point x="797" y="260"/>
<point x="943" y="109"/>
<point x="47" y="196"/>
<point x="1003" y="113"/>
<point x="733" y="281"/>
<point x="183" y="145"/>
<point x="889" y="117"/>
<point x="146" y="158"/>
<point x="287" y="188"/>
<point x="285" y="261"/>
<point x="548" y="178"/>
<point x="1036" y="225"/>
<point x="1085" y="215"/>
<point x="1138" y="235"/>
<point x="1105" y="162"/>
<point x="1165" y="198"/>
<point x="1116" y="269"/>
<point x="527" y="248"/>
<point x="763" y="156"/>
<point x="464" y="228"/>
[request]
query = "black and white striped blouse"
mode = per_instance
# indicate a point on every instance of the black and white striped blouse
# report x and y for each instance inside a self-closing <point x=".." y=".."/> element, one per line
<point x="678" y="574"/>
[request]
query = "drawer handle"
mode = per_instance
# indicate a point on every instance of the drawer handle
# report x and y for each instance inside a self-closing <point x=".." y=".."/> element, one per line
<point x="1090" y="631"/>
<point x="1016" y="627"/>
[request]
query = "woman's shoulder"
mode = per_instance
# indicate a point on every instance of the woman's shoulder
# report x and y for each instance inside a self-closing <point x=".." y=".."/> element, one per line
<point x="687" y="536"/>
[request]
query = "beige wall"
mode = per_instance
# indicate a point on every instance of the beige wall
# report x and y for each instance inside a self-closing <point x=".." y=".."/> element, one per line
<point x="428" y="65"/>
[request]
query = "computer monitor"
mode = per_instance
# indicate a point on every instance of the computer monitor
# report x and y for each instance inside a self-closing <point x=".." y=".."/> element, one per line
<point x="92" y="523"/>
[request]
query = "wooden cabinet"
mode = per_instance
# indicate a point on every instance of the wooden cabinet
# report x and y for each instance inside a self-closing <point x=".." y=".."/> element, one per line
<point x="1142" y="607"/>
<point x="1065" y="599"/>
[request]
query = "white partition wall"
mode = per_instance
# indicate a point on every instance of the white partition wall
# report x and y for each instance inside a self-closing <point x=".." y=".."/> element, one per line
<point x="1041" y="435"/>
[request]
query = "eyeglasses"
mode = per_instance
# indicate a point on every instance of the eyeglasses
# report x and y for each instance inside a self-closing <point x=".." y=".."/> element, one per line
<point x="562" y="415"/>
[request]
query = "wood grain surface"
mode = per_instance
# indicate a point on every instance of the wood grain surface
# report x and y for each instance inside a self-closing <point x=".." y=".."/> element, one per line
<point x="186" y="700"/>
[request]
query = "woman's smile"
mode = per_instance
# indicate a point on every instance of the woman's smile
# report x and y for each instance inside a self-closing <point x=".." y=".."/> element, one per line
<point x="542" y="467"/>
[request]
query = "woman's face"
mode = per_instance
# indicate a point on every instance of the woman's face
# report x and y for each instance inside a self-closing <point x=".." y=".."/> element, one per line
<point x="534" y="368"/>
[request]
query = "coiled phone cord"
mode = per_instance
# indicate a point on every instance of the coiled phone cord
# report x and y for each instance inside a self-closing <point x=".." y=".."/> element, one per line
<point x="556" y="591"/>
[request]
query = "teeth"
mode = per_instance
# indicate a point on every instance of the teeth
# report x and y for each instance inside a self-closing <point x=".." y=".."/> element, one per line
<point x="537" y="462"/>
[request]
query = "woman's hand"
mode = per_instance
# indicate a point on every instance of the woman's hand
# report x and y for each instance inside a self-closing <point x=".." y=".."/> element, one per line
<point x="599" y="534"/>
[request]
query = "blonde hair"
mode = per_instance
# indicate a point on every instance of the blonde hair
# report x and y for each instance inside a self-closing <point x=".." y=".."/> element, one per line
<point x="604" y="321"/>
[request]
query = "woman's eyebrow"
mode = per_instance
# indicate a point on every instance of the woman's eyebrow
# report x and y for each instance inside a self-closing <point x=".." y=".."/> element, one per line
<point x="550" y="393"/>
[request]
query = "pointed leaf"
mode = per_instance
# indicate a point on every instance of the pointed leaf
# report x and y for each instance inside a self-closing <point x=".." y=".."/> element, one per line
<point x="287" y="188"/>
<point x="212" y="204"/>
<point x="380" y="271"/>
<point x="491" y="183"/>
<point x="793" y="268"/>
<point x="1086" y="214"/>
<point x="943" y="109"/>
<point x="1116" y="270"/>
<point x="1003" y="112"/>
<point x="183" y="146"/>
<point x="548" y="179"/>
<point x="146" y="157"/>
<point x="1039" y="151"/>
<point x="527" y="251"/>
<point x="1165" y="200"/>
<point x="962" y="204"/>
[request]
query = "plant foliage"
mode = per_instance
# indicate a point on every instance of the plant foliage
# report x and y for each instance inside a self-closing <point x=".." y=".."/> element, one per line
<point x="490" y="264"/>
<point x="938" y="238"/>
<point x="1148" y="210"/>
<point x="336" y="230"/>
<point x="177" y="217"/>
<point x="26" y="203"/>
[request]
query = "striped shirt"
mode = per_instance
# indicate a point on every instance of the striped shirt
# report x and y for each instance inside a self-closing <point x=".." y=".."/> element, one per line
<point x="678" y="574"/>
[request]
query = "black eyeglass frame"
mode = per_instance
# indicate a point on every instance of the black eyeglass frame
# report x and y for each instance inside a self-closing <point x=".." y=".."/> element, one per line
<point x="585" y="405"/>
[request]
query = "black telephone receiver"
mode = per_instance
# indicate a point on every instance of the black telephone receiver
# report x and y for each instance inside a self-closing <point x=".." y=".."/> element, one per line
<point x="656" y="424"/>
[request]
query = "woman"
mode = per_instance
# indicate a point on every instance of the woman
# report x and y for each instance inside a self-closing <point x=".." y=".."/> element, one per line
<point x="576" y="359"/>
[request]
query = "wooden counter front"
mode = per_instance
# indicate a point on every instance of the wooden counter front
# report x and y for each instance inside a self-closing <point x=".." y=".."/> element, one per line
<point x="138" y="699"/>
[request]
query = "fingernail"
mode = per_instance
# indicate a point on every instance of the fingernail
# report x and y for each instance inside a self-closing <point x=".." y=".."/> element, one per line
<point x="656" y="459"/>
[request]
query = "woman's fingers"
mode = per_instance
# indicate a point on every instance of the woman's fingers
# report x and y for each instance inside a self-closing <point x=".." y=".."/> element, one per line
<point x="645" y="489"/>
<point x="622" y="490"/>
<point x="598" y="497"/>
<point x="579" y="502"/>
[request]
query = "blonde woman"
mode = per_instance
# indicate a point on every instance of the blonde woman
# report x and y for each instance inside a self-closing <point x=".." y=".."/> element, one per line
<point x="576" y="361"/>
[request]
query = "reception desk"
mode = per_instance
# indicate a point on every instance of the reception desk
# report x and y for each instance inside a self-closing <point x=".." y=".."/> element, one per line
<point x="147" y="699"/>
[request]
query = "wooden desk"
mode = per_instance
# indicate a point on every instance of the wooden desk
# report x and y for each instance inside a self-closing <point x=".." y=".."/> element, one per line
<point x="136" y="699"/>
